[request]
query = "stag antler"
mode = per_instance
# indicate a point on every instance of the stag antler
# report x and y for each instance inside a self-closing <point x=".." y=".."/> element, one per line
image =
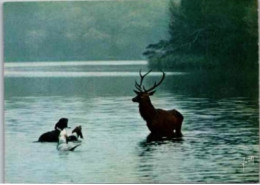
<point x="139" y="86"/>
<point x="155" y="84"/>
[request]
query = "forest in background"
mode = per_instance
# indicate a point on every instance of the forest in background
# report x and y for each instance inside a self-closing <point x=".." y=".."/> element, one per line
<point x="208" y="34"/>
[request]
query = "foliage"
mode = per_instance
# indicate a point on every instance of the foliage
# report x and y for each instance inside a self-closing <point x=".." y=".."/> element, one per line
<point x="208" y="34"/>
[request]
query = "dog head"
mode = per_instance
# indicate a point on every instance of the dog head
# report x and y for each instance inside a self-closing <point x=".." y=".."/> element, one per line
<point x="78" y="131"/>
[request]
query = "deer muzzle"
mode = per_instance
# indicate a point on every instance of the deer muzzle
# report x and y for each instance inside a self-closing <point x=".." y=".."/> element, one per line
<point x="135" y="99"/>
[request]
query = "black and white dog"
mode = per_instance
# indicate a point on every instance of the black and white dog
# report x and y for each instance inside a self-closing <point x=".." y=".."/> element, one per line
<point x="76" y="134"/>
<point x="53" y="136"/>
<point x="63" y="145"/>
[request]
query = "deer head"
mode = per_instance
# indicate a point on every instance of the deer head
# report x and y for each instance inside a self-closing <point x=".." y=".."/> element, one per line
<point x="143" y="93"/>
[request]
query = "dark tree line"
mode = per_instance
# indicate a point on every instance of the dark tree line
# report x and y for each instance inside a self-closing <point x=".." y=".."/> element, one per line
<point x="208" y="34"/>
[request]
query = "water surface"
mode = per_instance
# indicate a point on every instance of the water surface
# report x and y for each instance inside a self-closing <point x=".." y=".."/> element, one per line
<point x="220" y="143"/>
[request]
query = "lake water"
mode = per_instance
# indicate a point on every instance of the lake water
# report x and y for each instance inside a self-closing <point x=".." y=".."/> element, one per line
<point x="220" y="128"/>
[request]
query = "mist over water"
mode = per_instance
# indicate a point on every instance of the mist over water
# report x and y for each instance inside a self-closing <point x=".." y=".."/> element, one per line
<point x="220" y="143"/>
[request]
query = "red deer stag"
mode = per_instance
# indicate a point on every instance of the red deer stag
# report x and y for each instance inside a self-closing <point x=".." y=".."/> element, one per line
<point x="160" y="122"/>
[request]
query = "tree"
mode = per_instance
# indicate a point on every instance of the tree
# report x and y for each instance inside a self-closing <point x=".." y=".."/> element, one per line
<point x="208" y="33"/>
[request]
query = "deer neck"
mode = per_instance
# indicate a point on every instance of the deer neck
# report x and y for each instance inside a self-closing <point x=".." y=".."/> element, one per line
<point x="147" y="110"/>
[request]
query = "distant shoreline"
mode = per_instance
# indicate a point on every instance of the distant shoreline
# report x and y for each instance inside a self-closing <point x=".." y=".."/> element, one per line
<point x="76" y="63"/>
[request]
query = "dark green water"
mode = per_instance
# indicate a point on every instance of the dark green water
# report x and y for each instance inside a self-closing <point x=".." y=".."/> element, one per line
<point x="221" y="128"/>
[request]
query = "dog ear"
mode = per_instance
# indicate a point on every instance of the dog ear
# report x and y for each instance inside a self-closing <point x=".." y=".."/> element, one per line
<point x="80" y="135"/>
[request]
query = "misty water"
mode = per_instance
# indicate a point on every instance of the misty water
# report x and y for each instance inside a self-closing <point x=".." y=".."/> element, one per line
<point x="220" y="128"/>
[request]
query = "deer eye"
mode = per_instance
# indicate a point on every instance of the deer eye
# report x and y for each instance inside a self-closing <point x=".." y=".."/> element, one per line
<point x="143" y="96"/>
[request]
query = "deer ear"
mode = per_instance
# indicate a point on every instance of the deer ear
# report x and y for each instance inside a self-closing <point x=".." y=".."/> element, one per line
<point x="151" y="93"/>
<point x="136" y="92"/>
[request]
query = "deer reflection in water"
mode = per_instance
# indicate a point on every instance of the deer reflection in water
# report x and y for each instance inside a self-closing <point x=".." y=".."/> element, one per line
<point x="154" y="149"/>
<point x="161" y="123"/>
